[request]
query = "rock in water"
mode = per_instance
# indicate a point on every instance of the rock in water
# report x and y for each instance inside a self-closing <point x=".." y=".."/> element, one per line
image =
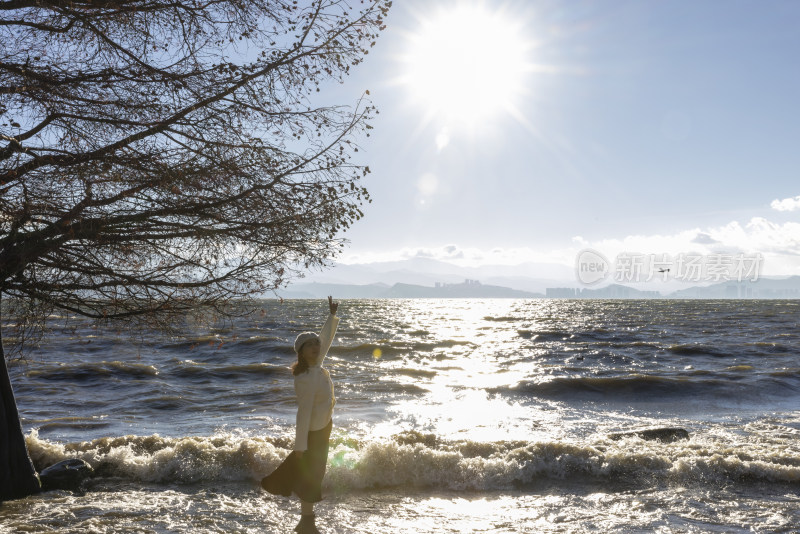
<point x="65" y="475"/>
<point x="665" y="435"/>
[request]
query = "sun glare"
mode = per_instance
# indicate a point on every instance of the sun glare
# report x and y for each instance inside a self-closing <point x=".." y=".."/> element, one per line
<point x="466" y="65"/>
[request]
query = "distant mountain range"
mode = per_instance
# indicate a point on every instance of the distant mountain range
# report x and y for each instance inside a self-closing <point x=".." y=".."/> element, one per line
<point x="463" y="290"/>
<point x="763" y="288"/>
<point x="439" y="284"/>
<point x="471" y="289"/>
<point x="529" y="277"/>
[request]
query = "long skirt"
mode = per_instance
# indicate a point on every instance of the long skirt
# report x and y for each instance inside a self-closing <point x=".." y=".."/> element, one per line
<point x="303" y="476"/>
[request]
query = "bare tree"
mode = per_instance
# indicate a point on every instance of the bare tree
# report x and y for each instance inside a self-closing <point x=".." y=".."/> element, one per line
<point x="158" y="158"/>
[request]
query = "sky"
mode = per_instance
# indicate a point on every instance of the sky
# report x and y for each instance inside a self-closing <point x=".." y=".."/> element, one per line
<point x="515" y="131"/>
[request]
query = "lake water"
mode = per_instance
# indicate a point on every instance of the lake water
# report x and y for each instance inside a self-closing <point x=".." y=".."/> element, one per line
<point x="459" y="415"/>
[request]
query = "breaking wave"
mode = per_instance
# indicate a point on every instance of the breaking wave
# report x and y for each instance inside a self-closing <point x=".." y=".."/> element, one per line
<point x="424" y="461"/>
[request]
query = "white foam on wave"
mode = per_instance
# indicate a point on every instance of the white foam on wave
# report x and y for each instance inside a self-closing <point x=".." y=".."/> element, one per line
<point x="442" y="465"/>
<point x="165" y="460"/>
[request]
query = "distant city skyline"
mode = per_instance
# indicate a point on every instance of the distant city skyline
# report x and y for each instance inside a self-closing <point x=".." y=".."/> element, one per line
<point x="639" y="127"/>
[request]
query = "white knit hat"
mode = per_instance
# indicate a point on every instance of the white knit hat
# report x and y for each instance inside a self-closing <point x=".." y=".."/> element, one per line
<point x="302" y="338"/>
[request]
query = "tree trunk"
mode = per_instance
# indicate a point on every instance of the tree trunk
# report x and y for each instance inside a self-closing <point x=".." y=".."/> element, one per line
<point x="18" y="477"/>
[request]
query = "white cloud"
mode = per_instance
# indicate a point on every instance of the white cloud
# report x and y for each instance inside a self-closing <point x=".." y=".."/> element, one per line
<point x="467" y="256"/>
<point x="778" y="243"/>
<point x="787" y="204"/>
<point x="449" y="252"/>
<point x="759" y="235"/>
<point x="704" y="239"/>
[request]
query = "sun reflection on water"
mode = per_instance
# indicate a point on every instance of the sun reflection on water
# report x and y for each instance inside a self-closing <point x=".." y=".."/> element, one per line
<point x="452" y="354"/>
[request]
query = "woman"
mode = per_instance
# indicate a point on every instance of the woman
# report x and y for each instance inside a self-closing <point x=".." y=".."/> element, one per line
<point x="302" y="471"/>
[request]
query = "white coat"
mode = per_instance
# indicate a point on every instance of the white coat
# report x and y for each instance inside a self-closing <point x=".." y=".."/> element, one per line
<point x="314" y="389"/>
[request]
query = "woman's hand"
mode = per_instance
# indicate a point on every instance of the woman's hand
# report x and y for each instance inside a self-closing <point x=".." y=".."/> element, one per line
<point x="333" y="305"/>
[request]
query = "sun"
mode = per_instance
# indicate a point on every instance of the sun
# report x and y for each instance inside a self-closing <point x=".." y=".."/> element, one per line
<point x="467" y="64"/>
